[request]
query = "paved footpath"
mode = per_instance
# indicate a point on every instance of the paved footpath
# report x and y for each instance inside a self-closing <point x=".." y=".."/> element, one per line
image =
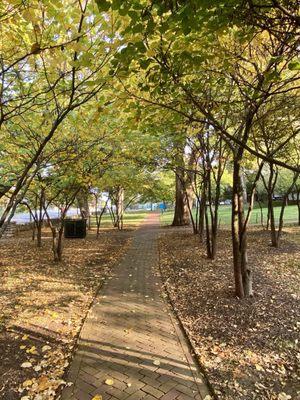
<point x="131" y="339"/>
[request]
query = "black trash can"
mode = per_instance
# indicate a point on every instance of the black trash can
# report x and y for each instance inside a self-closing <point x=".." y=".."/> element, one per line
<point x="75" y="228"/>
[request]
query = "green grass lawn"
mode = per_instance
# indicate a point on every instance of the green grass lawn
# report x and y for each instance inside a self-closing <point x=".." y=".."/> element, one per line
<point x="290" y="215"/>
<point x="131" y="218"/>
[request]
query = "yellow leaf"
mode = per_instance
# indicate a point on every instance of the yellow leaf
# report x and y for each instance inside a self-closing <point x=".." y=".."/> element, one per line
<point x="26" y="365"/>
<point x="259" y="367"/>
<point x="97" y="397"/>
<point x="32" y="350"/>
<point x="27" y="383"/>
<point x="46" y="348"/>
<point x="109" y="382"/>
<point x="43" y="383"/>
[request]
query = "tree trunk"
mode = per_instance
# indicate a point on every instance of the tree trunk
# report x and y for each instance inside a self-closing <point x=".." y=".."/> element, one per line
<point x="60" y="243"/>
<point x="298" y="205"/>
<point x="119" y="208"/>
<point x="181" y="213"/>
<point x="202" y="213"/>
<point x="189" y="202"/>
<point x="274" y="241"/>
<point x="208" y="239"/>
<point x="83" y="203"/>
<point x="242" y="272"/>
<point x="54" y="244"/>
<point x="214" y="232"/>
<point x="33" y="231"/>
<point x="39" y="233"/>
<point x="57" y="241"/>
<point x="40" y="217"/>
<point x="246" y="271"/>
<point x="100" y="215"/>
<point x="270" y="187"/>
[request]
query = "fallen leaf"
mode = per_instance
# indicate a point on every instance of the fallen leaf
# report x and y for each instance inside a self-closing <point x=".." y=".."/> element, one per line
<point x="109" y="382"/>
<point x="46" y="348"/>
<point x="27" y="383"/>
<point x="284" y="396"/>
<point x="32" y="350"/>
<point x="43" y="383"/>
<point x="26" y="364"/>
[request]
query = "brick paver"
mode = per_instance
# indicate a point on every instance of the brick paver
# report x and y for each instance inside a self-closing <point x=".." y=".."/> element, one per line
<point x="132" y="338"/>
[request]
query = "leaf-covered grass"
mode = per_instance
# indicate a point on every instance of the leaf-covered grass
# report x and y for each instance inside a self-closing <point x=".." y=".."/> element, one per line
<point x="290" y="215"/>
<point x="43" y="303"/>
<point x="249" y="348"/>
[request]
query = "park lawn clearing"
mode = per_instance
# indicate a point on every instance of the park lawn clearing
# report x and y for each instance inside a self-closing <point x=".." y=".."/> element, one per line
<point x="131" y="219"/>
<point x="248" y="348"/>
<point x="290" y="215"/>
<point x="43" y="305"/>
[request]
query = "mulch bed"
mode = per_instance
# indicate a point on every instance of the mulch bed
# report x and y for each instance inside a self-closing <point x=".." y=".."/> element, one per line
<point x="43" y="305"/>
<point x="248" y="348"/>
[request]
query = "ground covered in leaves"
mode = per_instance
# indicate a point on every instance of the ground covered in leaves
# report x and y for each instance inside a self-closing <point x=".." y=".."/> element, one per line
<point x="43" y="305"/>
<point x="248" y="348"/>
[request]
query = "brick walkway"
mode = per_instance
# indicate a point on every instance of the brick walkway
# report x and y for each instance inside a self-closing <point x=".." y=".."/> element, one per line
<point x="131" y="338"/>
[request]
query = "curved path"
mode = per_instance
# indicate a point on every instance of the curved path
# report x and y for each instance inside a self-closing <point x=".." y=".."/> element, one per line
<point x="131" y="346"/>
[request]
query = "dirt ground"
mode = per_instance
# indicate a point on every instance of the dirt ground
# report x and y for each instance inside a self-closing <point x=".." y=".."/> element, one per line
<point x="43" y="305"/>
<point x="248" y="348"/>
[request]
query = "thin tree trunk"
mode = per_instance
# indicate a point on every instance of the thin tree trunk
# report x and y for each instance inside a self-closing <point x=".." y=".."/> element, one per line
<point x="202" y="212"/>
<point x="246" y="271"/>
<point x="298" y="205"/>
<point x="83" y="203"/>
<point x="237" y="263"/>
<point x="181" y="213"/>
<point x="207" y="230"/>
<point x="40" y="217"/>
<point x="242" y="271"/>
<point x="60" y="242"/>
<point x="39" y="234"/>
<point x="99" y="217"/>
<point x="270" y="187"/>
<point x="274" y="241"/>
<point x="189" y="205"/>
<point x="119" y="208"/>
<point x="33" y="231"/>
<point x="54" y="244"/>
